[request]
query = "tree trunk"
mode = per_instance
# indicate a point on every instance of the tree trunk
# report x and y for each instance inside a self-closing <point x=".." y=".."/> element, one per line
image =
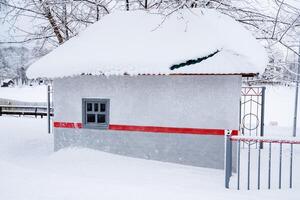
<point x="66" y="22"/>
<point x="49" y="16"/>
<point x="127" y="5"/>
<point x="97" y="13"/>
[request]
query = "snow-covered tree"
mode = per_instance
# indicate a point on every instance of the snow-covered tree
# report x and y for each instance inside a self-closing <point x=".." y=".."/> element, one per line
<point x="52" y="22"/>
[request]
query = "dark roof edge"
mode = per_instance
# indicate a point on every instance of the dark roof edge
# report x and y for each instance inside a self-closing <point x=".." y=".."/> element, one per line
<point x="202" y="74"/>
<point x="176" y="74"/>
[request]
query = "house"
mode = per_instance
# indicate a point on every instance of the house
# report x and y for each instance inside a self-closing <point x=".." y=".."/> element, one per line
<point x="7" y="83"/>
<point x="152" y="86"/>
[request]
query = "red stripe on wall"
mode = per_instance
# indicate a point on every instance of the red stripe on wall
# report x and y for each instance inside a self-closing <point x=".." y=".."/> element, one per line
<point x="67" y="125"/>
<point x="152" y="129"/>
<point x="158" y="129"/>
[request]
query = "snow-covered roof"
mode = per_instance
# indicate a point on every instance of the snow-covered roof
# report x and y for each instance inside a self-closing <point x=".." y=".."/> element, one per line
<point x="193" y="41"/>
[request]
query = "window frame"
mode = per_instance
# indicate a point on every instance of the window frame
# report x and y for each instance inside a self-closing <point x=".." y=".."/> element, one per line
<point x="99" y="101"/>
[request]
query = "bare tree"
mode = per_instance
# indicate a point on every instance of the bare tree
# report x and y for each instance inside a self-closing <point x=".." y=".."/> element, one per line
<point x="276" y="23"/>
<point x="54" y="21"/>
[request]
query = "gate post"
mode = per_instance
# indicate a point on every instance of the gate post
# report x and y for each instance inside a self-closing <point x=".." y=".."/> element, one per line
<point x="228" y="157"/>
<point x="262" y="115"/>
<point x="48" y="109"/>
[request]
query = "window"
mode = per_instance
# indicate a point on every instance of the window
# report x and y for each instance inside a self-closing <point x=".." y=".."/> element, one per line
<point x="95" y="113"/>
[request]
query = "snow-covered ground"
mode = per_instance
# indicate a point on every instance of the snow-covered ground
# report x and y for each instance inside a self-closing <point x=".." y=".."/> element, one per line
<point x="29" y="169"/>
<point x="26" y="94"/>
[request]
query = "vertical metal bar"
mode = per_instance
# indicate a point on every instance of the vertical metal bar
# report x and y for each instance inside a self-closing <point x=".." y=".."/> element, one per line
<point x="295" y="120"/>
<point x="257" y="105"/>
<point x="250" y="119"/>
<point x="258" y="170"/>
<point x="228" y="154"/>
<point x="238" y="164"/>
<point x="280" y="165"/>
<point x="291" y="166"/>
<point x="249" y="158"/>
<point x="230" y="158"/>
<point x="240" y="117"/>
<point x="245" y="99"/>
<point x="296" y="97"/>
<point x="262" y="116"/>
<point x="48" y="109"/>
<point x="269" y="171"/>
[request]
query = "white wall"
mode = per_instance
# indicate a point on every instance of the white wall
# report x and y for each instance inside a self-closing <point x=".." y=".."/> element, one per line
<point x="179" y="101"/>
<point x="171" y="101"/>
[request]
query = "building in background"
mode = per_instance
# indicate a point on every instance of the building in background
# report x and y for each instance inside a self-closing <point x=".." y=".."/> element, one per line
<point x="7" y="83"/>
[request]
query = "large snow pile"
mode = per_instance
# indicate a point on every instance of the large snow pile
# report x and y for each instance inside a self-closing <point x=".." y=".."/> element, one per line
<point x="198" y="40"/>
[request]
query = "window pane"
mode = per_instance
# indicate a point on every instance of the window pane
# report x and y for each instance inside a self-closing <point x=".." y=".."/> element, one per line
<point x="89" y="107"/>
<point x="102" y="107"/>
<point x="101" y="118"/>
<point x="96" y="107"/>
<point x="90" y="118"/>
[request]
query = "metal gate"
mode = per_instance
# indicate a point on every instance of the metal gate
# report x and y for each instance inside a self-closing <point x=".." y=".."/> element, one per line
<point x="252" y="111"/>
<point x="258" y="167"/>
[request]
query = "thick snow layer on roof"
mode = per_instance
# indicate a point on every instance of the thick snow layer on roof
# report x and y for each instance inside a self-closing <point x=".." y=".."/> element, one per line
<point x="139" y="42"/>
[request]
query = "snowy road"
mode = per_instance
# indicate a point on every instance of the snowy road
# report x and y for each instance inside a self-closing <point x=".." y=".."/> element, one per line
<point x="30" y="170"/>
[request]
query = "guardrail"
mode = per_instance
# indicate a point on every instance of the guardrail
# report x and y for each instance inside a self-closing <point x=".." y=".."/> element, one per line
<point x="24" y="110"/>
<point x="31" y="109"/>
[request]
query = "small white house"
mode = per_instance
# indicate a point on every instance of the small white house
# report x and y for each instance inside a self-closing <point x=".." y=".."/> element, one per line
<point x="152" y="86"/>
